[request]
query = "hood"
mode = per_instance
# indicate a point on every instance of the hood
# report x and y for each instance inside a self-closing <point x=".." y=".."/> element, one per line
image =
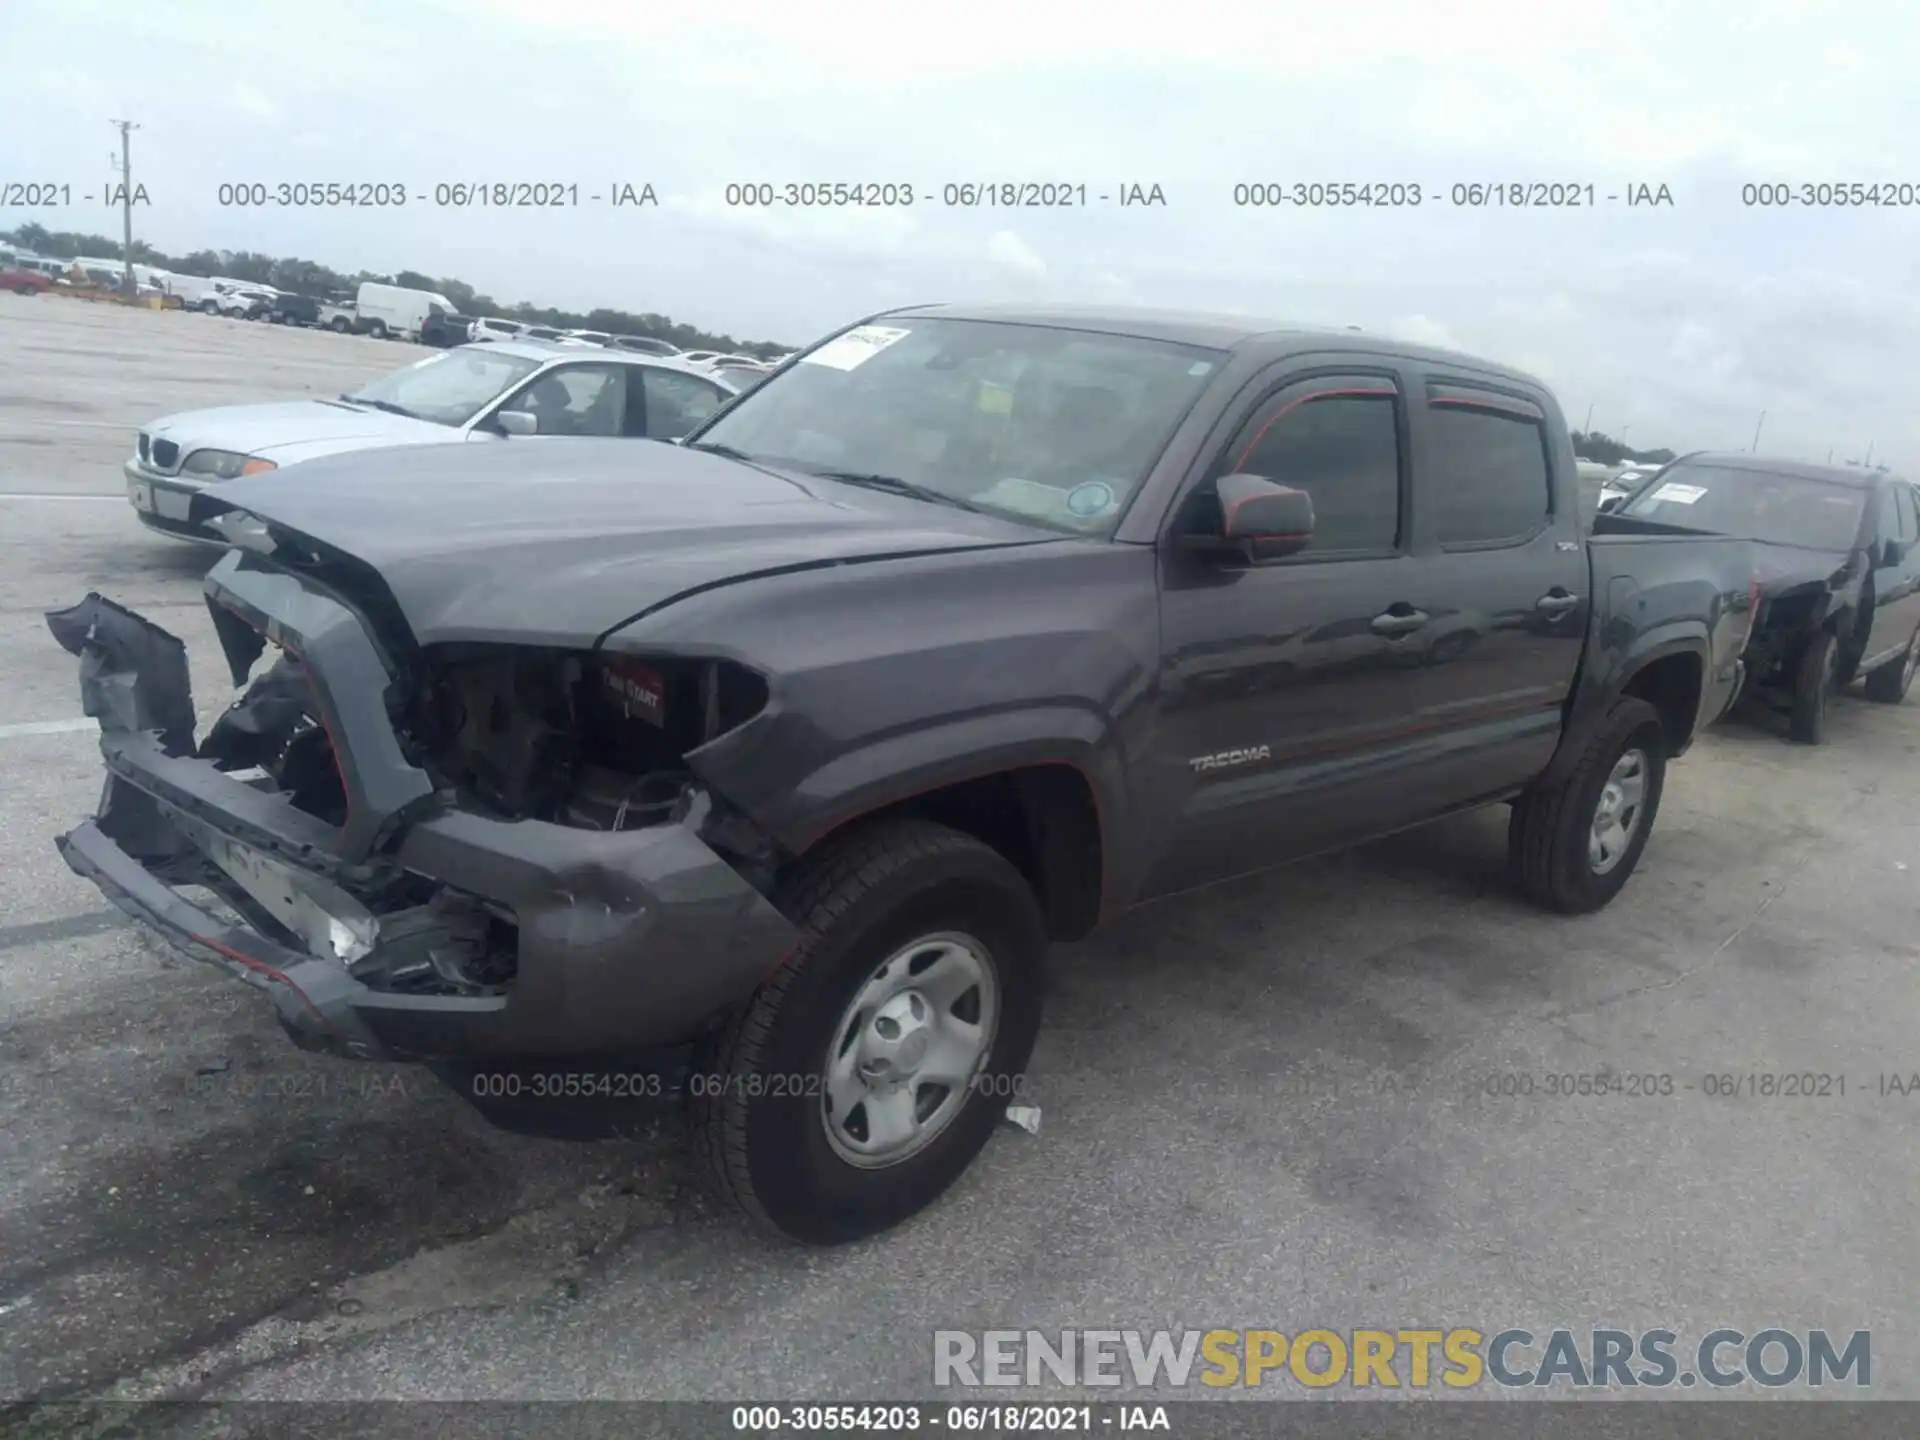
<point x="559" y="541"/>
<point x="1780" y="568"/>
<point x="277" y="429"/>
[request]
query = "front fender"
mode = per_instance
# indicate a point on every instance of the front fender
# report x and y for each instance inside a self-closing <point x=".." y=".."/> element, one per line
<point x="901" y="766"/>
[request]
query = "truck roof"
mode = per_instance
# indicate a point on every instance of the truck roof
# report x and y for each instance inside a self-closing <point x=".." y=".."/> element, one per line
<point x="1211" y="329"/>
<point x="1768" y="465"/>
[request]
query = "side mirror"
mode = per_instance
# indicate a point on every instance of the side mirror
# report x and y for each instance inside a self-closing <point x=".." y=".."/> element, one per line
<point x="1259" y="519"/>
<point x="518" y="422"/>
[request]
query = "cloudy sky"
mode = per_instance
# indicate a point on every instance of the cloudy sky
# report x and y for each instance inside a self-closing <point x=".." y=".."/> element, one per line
<point x="1677" y="324"/>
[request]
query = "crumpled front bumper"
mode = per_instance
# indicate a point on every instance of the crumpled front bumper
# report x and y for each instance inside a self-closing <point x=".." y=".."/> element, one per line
<point x="622" y="943"/>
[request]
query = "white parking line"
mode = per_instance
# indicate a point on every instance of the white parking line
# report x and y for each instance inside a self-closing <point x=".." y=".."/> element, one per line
<point x="45" y="727"/>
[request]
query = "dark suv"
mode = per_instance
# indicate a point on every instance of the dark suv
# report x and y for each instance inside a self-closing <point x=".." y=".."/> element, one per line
<point x="294" y="310"/>
<point x="1838" y="572"/>
<point x="445" y="329"/>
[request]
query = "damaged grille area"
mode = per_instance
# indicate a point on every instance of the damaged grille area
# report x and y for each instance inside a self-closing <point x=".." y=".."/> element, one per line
<point x="432" y="939"/>
<point x="593" y="741"/>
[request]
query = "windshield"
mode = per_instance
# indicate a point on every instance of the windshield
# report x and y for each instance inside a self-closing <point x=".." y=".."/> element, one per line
<point x="1056" y="427"/>
<point x="449" y="388"/>
<point x="1754" y="505"/>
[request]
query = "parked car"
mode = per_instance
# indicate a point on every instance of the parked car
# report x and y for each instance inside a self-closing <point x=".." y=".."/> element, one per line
<point x="1839" y="573"/>
<point x="699" y="357"/>
<point x="644" y="345"/>
<point x="21" y="280"/>
<point x="490" y="327"/>
<point x="775" y="759"/>
<point x="540" y="332"/>
<point x="443" y="328"/>
<point x="338" y="316"/>
<point x="587" y="337"/>
<point x="290" y="309"/>
<point x="468" y="393"/>
<point x="393" y="310"/>
<point x="237" y="302"/>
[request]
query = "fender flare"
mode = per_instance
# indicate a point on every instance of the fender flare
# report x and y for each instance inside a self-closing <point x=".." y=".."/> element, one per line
<point x="893" y="768"/>
<point x="1679" y="637"/>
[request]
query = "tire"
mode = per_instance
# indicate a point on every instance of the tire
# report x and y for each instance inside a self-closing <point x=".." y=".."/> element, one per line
<point x="1550" y="835"/>
<point x="759" y="1097"/>
<point x="1813" y="687"/>
<point x="340" y="325"/>
<point x="1890" y="683"/>
<point x="378" y="330"/>
<point x="209" y="307"/>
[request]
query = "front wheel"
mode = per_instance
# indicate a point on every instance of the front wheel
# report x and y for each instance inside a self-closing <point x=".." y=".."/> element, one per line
<point x="1813" y="685"/>
<point x="339" y="325"/>
<point x="1574" y="843"/>
<point x="209" y="307"/>
<point x="378" y="330"/>
<point x="872" y="1066"/>
<point x="1890" y="683"/>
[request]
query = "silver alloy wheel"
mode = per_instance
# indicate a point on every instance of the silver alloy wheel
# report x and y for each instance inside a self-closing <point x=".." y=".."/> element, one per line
<point x="1912" y="662"/>
<point x="904" y="1057"/>
<point x="1617" y="816"/>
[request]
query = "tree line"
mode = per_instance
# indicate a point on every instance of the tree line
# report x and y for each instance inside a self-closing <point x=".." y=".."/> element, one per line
<point x="1603" y="449"/>
<point x="309" y="277"/>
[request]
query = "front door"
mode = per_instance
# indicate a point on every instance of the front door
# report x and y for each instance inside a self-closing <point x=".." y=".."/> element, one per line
<point x="1896" y="573"/>
<point x="1278" y="679"/>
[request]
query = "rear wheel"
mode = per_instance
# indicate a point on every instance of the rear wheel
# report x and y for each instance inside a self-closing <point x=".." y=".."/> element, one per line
<point x="339" y="324"/>
<point x="209" y="307"/>
<point x="871" y="1067"/>
<point x="1890" y="683"/>
<point x="378" y="330"/>
<point x="1813" y="687"/>
<point x="1574" y="843"/>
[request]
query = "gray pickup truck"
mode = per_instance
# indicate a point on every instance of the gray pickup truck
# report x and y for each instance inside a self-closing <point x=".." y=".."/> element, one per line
<point x="761" y="769"/>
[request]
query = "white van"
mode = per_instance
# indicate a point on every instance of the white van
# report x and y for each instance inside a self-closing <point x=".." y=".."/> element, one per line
<point x="384" y="310"/>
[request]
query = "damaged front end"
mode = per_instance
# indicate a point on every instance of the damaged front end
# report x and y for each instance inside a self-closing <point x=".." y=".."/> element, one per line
<point x="485" y="854"/>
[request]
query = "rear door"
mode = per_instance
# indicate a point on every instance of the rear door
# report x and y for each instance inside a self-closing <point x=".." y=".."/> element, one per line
<point x="1504" y="575"/>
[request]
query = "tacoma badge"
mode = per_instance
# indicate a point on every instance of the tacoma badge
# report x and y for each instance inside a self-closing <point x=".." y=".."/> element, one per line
<point x="1226" y="759"/>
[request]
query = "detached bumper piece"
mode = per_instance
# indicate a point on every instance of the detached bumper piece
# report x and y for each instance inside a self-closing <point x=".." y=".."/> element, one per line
<point x="410" y="930"/>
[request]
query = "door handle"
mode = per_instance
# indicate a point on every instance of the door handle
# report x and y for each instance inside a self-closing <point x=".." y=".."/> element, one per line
<point x="1556" y="604"/>
<point x="1399" y="622"/>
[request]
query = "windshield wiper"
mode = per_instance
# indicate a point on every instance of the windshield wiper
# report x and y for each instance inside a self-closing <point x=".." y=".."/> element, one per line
<point x="894" y="485"/>
<point x="724" y="451"/>
<point x="386" y="405"/>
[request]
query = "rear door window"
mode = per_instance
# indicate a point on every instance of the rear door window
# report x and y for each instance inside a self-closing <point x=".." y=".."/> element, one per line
<point x="1489" y="481"/>
<point x="676" y="403"/>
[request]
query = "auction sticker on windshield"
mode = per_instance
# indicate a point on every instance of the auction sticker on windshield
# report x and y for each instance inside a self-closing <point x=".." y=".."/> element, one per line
<point x="853" y="349"/>
<point x="1679" y="494"/>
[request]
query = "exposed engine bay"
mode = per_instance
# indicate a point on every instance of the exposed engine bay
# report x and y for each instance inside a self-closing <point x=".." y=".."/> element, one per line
<point x="590" y="741"/>
<point x="594" y="741"/>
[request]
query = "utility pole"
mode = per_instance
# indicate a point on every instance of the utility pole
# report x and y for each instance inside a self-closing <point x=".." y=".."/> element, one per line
<point x="1587" y="429"/>
<point x="1756" y="432"/>
<point x="126" y="208"/>
<point x="1868" y="462"/>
